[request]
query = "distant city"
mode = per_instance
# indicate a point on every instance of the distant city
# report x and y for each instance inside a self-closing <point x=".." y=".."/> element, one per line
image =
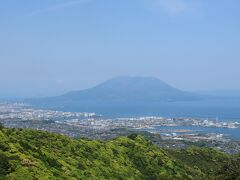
<point x="182" y="131"/>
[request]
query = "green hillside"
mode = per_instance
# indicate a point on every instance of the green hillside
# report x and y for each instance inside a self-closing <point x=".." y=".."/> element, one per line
<point x="31" y="154"/>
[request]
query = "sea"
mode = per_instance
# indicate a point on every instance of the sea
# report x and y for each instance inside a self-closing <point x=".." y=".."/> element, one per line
<point x="227" y="110"/>
<point x="222" y="109"/>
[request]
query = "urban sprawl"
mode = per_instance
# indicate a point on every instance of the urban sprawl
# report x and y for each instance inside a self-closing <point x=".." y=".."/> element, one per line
<point x="94" y="126"/>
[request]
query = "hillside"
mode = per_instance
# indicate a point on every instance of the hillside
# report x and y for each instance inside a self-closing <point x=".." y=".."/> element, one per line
<point x="30" y="154"/>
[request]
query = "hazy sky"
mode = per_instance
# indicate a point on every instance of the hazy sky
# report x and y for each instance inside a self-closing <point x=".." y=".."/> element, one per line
<point x="49" y="47"/>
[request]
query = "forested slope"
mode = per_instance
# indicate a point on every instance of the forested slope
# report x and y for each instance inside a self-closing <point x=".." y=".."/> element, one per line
<point x="31" y="154"/>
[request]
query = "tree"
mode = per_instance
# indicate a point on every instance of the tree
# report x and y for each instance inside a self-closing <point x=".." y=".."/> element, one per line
<point x="1" y="126"/>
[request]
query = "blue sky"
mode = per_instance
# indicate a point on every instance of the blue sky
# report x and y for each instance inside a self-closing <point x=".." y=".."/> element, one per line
<point x="49" y="47"/>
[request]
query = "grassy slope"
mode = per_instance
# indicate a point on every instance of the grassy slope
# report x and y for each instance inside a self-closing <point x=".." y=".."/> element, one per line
<point x="31" y="154"/>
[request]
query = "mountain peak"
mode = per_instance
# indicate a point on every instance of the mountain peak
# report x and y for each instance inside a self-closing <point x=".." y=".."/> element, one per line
<point x="134" y="84"/>
<point x="134" y="80"/>
<point x="119" y="90"/>
<point x="127" y="88"/>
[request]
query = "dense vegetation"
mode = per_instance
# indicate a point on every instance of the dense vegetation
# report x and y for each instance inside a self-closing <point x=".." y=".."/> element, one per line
<point x="31" y="154"/>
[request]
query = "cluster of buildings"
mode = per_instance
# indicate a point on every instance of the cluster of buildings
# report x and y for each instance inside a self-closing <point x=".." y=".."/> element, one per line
<point x="24" y="112"/>
<point x="91" y="125"/>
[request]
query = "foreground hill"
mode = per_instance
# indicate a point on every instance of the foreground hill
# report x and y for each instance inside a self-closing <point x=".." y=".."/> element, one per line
<point x="30" y="154"/>
<point x="118" y="91"/>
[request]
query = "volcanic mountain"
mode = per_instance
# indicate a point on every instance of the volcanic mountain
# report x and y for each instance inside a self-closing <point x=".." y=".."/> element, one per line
<point x="121" y="90"/>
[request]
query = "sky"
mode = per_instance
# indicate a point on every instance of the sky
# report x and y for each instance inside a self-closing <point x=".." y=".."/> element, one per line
<point x="50" y="47"/>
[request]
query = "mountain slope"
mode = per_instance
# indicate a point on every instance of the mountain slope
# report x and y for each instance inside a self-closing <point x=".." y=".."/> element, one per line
<point x="119" y="90"/>
<point x="30" y="154"/>
<point x="130" y="89"/>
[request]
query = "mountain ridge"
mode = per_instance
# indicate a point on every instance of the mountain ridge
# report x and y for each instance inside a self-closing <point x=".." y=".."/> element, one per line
<point x="32" y="154"/>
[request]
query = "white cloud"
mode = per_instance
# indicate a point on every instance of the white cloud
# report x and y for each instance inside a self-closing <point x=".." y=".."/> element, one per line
<point x="57" y="7"/>
<point x="172" y="7"/>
